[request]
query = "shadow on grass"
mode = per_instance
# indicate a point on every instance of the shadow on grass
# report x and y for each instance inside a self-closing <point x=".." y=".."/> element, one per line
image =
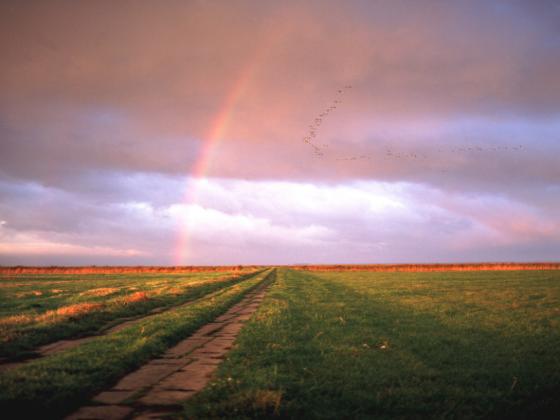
<point x="319" y="349"/>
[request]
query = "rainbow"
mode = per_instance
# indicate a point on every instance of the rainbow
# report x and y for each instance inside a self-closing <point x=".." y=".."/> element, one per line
<point x="216" y="134"/>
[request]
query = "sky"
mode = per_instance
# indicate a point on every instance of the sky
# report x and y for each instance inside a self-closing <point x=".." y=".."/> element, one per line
<point x="279" y="132"/>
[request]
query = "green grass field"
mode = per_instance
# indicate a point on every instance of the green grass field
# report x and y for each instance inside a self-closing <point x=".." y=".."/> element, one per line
<point x="323" y="344"/>
<point x="39" y="309"/>
<point x="55" y="385"/>
<point x="396" y="345"/>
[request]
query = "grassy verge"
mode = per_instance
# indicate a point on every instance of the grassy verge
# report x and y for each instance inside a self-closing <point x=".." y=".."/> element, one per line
<point x="19" y="341"/>
<point x="395" y="345"/>
<point x="56" y="385"/>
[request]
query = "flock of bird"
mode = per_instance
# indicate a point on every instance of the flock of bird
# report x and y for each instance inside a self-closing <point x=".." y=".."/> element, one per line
<point x="311" y="136"/>
<point x="464" y="150"/>
<point x="319" y="149"/>
<point x="392" y="154"/>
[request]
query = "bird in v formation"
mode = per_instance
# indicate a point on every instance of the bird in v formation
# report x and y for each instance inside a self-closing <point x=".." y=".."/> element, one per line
<point x="319" y="149"/>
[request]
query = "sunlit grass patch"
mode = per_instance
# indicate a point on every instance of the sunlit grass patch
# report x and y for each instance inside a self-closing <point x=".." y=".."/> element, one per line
<point x="56" y="315"/>
<point x="28" y="294"/>
<point x="102" y="291"/>
<point x="134" y="297"/>
<point x="16" y="320"/>
<point x="70" y="311"/>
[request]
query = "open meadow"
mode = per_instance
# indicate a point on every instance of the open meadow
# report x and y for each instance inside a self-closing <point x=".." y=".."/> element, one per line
<point x="474" y="344"/>
<point x="315" y="209"/>
<point x="316" y="344"/>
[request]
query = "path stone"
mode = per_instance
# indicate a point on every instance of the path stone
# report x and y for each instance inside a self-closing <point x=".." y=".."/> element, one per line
<point x="101" y="412"/>
<point x="171" y="361"/>
<point x="147" y="375"/>
<point x="232" y="328"/>
<point x="61" y="345"/>
<point x="190" y="379"/>
<point x="153" y="415"/>
<point x="225" y="317"/>
<point x="209" y="329"/>
<point x="160" y="387"/>
<point x="113" y="397"/>
<point x="186" y="346"/>
<point x="121" y="326"/>
<point x="165" y="397"/>
<point x="219" y="345"/>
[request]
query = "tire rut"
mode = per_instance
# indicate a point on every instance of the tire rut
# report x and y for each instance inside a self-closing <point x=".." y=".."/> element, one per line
<point x="116" y="326"/>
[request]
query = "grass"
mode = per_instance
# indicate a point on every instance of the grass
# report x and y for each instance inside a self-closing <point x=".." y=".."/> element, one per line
<point x="395" y="345"/>
<point x="55" y="385"/>
<point x="37" y="293"/>
<point x="88" y="308"/>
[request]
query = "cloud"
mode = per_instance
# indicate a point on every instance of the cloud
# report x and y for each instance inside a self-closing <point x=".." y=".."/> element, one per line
<point x="269" y="222"/>
<point x="30" y="245"/>
<point x="494" y="54"/>
<point x="449" y="132"/>
<point x="117" y="96"/>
